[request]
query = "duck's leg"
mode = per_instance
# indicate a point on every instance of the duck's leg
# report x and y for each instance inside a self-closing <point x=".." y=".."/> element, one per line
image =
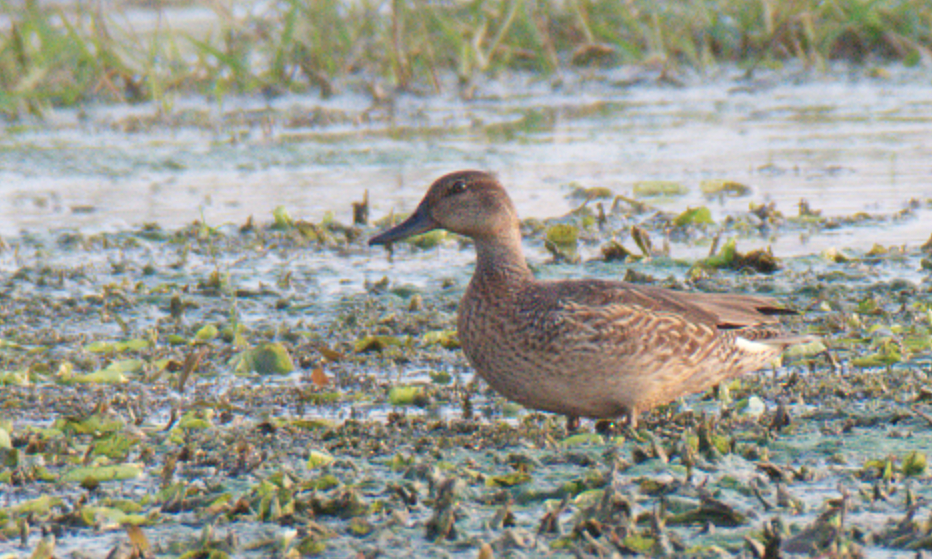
<point x="572" y="424"/>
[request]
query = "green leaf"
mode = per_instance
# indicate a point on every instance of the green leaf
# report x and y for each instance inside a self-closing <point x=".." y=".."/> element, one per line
<point x="428" y="240"/>
<point x="725" y="256"/>
<point x="445" y="338"/>
<point x="267" y="359"/>
<point x="91" y="515"/>
<point x="93" y="424"/>
<point x="378" y="343"/>
<point x="694" y="216"/>
<point x="14" y="378"/>
<point x="580" y="439"/>
<point x="318" y="459"/>
<point x="646" y="189"/>
<point x="508" y="480"/>
<point x="40" y="506"/>
<point x="103" y="473"/>
<point x="411" y="395"/>
<point x="915" y="464"/>
<point x="721" y="186"/>
<point x="103" y="376"/>
<point x="283" y="219"/>
<point x="563" y="235"/>
<point x="206" y="333"/>
<point x="137" y="344"/>
<point x="195" y="420"/>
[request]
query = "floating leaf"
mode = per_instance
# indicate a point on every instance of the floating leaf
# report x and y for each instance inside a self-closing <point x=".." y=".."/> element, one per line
<point x="725" y="256"/>
<point x="103" y="376"/>
<point x="428" y="240"/>
<point x="311" y="231"/>
<point x="835" y="255"/>
<point x="206" y="333"/>
<point x="309" y="424"/>
<point x="283" y="221"/>
<point x="319" y="377"/>
<point x="268" y="359"/>
<point x="94" y="424"/>
<point x="115" y="446"/>
<point x="92" y="516"/>
<point x="613" y="251"/>
<point x="713" y="512"/>
<point x="127" y="366"/>
<point x="5" y="441"/>
<point x="103" y="473"/>
<point x="117" y="347"/>
<point x="915" y="464"/>
<point x="646" y="189"/>
<point x="581" y="439"/>
<point x="805" y="350"/>
<point x="887" y="354"/>
<point x="878" y="250"/>
<point x="14" y="378"/>
<point x="562" y="241"/>
<point x="694" y="216"/>
<point x="508" y="480"/>
<point x="639" y="544"/>
<point x="40" y="506"/>
<point x="318" y="459"/>
<point x="195" y="420"/>
<point x="593" y="193"/>
<point x="411" y="395"/>
<point x="714" y="187"/>
<point x="330" y="354"/>
<point x="378" y="343"/>
<point x="563" y="235"/>
<point x="642" y="240"/>
<point x="445" y="338"/>
<point x="440" y="377"/>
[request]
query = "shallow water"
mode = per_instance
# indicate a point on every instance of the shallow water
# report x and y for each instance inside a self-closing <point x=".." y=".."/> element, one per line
<point x="845" y="142"/>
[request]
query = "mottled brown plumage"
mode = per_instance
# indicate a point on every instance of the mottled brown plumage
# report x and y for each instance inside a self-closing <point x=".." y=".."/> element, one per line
<point x="590" y="348"/>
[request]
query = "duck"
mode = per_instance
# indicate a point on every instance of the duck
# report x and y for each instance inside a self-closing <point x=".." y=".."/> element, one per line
<point x="592" y="348"/>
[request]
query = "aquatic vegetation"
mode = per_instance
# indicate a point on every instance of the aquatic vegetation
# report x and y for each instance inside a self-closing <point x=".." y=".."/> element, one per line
<point x="207" y="396"/>
<point x="64" y="55"/>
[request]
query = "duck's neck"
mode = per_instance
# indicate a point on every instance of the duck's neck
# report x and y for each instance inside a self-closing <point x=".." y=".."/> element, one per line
<point x="500" y="259"/>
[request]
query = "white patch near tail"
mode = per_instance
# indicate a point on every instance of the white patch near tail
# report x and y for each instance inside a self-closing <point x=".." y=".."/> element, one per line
<point x="753" y="347"/>
<point x="767" y="352"/>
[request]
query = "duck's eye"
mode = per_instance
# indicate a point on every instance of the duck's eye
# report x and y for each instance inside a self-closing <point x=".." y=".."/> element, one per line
<point x="457" y="187"/>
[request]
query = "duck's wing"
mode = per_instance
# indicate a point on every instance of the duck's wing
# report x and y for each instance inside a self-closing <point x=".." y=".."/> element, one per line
<point x="729" y="310"/>
<point x="722" y="311"/>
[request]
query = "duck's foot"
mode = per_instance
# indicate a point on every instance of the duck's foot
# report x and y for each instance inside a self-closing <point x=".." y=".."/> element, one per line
<point x="607" y="427"/>
<point x="631" y="423"/>
<point x="572" y="424"/>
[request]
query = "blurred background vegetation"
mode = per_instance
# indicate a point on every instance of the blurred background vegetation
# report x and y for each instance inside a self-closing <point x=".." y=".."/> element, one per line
<point x="66" y="54"/>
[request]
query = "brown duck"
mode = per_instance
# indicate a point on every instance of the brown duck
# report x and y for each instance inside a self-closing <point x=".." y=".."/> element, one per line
<point x="585" y="348"/>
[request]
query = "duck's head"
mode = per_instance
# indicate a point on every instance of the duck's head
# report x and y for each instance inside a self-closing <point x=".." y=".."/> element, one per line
<point x="470" y="203"/>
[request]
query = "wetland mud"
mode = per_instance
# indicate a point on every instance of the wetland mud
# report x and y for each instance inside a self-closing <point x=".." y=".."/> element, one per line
<point x="207" y="391"/>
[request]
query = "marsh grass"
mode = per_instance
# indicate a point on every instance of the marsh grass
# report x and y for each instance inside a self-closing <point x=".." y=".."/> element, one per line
<point x="62" y="56"/>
